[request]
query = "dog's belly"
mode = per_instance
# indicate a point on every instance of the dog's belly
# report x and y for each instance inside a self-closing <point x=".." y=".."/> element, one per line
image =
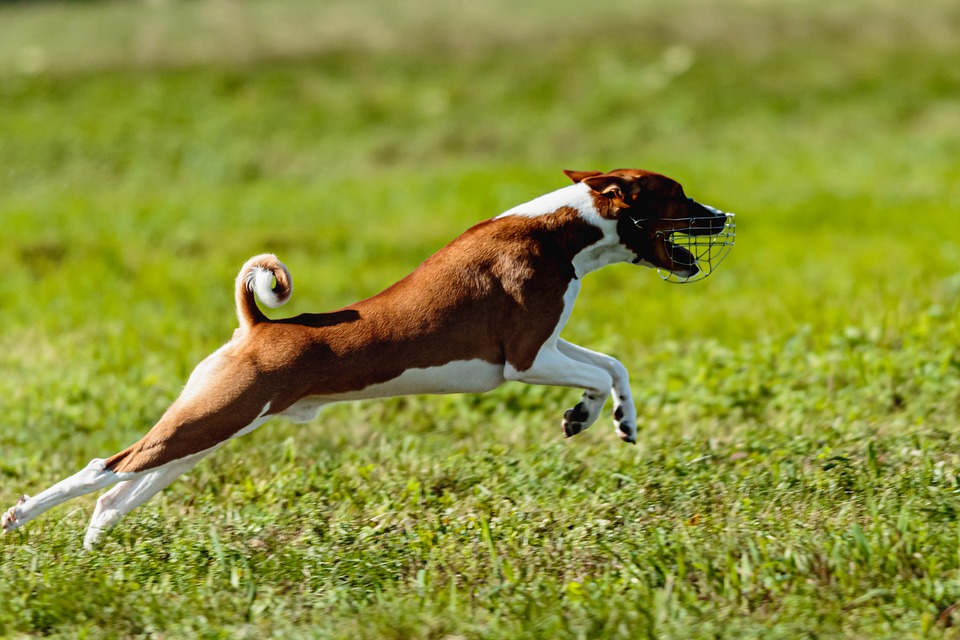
<point x="460" y="376"/>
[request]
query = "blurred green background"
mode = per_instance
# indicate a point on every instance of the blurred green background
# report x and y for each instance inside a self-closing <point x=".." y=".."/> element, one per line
<point x="796" y="470"/>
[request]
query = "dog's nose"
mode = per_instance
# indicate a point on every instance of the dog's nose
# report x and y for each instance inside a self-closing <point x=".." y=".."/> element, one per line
<point x="705" y="219"/>
<point x="712" y="210"/>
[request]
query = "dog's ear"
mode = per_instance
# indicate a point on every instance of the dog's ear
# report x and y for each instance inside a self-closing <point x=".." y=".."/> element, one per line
<point x="578" y="176"/>
<point x="610" y="187"/>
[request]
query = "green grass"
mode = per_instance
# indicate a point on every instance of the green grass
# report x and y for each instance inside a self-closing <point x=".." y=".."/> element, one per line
<point x="797" y="472"/>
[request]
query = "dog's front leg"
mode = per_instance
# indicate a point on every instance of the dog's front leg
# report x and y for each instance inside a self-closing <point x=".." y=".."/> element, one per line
<point x="554" y="365"/>
<point x="624" y="409"/>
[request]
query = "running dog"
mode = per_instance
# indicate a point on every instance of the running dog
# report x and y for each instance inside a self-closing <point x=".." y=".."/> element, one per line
<point x="487" y="308"/>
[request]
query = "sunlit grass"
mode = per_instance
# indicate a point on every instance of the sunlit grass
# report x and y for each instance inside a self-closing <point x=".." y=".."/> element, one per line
<point x="796" y="470"/>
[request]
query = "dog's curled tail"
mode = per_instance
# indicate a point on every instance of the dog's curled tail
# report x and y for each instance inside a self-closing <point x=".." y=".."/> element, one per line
<point x="268" y="279"/>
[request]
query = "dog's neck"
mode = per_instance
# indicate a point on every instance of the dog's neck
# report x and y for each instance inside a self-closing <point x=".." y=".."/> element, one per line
<point x="580" y="198"/>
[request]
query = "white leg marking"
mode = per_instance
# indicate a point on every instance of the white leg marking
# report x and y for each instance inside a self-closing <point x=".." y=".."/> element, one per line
<point x="130" y="494"/>
<point x="561" y="363"/>
<point x="624" y="409"/>
<point x="135" y="489"/>
<point x="92" y="478"/>
<point x="551" y="367"/>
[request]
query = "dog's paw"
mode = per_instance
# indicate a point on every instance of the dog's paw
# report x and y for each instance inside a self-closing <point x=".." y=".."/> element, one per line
<point x="626" y="427"/>
<point x="573" y="420"/>
<point x="582" y="416"/>
<point x="11" y="519"/>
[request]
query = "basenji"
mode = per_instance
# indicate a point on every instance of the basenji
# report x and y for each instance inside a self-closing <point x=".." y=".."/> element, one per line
<point x="487" y="308"/>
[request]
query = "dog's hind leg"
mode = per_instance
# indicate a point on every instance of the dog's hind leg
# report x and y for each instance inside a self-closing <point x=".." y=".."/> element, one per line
<point x="220" y="402"/>
<point x="624" y="409"/>
<point x="93" y="477"/>
<point x="170" y="449"/>
<point x="129" y="494"/>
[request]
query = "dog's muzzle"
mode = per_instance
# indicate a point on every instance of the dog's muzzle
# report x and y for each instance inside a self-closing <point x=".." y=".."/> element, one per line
<point x="702" y="243"/>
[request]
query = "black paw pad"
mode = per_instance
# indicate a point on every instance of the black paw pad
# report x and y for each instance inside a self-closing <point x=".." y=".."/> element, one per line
<point x="571" y="428"/>
<point x="578" y="414"/>
<point x="627" y="433"/>
<point x="618" y="414"/>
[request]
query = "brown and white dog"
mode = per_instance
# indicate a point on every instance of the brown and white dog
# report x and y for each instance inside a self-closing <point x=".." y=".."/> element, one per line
<point x="485" y="309"/>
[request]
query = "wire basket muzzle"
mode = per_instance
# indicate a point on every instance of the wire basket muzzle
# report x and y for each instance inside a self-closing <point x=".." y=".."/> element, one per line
<point x="691" y="246"/>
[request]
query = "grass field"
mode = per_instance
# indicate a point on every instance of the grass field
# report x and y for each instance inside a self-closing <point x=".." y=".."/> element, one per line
<point x="797" y="472"/>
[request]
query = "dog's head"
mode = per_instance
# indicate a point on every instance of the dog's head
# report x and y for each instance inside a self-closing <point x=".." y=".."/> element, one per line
<point x="683" y="239"/>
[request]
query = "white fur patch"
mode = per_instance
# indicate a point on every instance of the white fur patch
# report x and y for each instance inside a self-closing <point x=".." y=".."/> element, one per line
<point x="91" y="478"/>
<point x="606" y="250"/>
<point x="579" y="197"/>
<point x="129" y="494"/>
<point x="576" y="196"/>
<point x="261" y="281"/>
<point x="459" y="376"/>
